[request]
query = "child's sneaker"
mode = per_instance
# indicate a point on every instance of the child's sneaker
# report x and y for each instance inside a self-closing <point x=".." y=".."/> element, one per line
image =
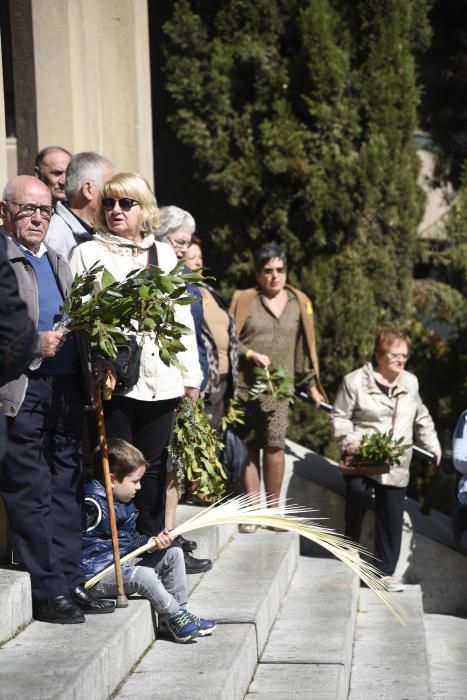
<point x="205" y="626"/>
<point x="181" y="627"/>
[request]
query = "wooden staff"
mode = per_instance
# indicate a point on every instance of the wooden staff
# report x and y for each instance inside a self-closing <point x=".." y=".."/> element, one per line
<point x="122" y="601"/>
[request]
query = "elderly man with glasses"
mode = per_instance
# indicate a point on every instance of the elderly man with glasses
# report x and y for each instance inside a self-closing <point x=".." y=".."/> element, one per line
<point x="42" y="473"/>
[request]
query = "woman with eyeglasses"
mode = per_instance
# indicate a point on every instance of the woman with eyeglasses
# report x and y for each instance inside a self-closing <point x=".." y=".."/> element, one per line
<point x="143" y="415"/>
<point x="382" y="397"/>
<point x="275" y="325"/>
<point x="176" y="227"/>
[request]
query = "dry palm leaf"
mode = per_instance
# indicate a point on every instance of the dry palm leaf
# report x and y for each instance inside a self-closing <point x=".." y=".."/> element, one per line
<point x="245" y="509"/>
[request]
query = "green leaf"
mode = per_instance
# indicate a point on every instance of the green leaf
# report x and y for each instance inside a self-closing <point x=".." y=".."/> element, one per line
<point x="107" y="279"/>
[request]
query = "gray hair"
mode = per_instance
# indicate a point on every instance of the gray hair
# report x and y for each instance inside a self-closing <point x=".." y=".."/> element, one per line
<point x="172" y="219"/>
<point x="84" y="167"/>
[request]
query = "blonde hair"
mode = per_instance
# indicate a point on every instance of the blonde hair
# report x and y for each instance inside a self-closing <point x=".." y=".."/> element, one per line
<point x="136" y="187"/>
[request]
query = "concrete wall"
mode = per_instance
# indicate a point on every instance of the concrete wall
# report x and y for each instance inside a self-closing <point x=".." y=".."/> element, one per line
<point x="82" y="81"/>
<point x="429" y="556"/>
<point x="93" y="84"/>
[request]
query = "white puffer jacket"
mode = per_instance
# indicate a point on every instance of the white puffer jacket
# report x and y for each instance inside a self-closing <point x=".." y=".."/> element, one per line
<point x="361" y="408"/>
<point x="156" y="382"/>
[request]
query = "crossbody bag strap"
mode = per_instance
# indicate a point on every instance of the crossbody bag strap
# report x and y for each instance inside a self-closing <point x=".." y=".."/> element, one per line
<point x="394" y="414"/>
<point x="153" y="259"/>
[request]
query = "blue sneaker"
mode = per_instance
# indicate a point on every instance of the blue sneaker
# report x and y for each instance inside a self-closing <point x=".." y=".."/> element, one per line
<point x="205" y="626"/>
<point x="181" y="627"/>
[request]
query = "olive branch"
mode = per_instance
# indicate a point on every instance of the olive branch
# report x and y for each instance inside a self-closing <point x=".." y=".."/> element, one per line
<point x="273" y="381"/>
<point x="382" y="447"/>
<point x="195" y="450"/>
<point x="144" y="302"/>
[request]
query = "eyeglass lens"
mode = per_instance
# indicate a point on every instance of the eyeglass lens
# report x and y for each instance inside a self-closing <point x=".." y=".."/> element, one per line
<point x="180" y="244"/>
<point x="270" y="270"/>
<point x="125" y="203"/>
<point x="29" y="209"/>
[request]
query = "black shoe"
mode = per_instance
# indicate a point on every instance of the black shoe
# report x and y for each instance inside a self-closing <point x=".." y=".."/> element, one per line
<point x="90" y="604"/>
<point x="186" y="545"/>
<point x="60" y="610"/>
<point x="196" y="566"/>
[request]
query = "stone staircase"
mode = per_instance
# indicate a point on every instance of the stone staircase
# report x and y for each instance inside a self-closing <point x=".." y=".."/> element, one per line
<point x="288" y="626"/>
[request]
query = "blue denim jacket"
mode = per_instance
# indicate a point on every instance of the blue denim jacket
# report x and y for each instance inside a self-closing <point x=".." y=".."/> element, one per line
<point x="96" y="553"/>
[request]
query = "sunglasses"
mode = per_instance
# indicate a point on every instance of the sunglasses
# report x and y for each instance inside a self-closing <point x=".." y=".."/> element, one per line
<point x="125" y="203"/>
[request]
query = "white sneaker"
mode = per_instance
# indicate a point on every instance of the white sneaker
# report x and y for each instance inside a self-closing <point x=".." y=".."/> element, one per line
<point x="393" y="584"/>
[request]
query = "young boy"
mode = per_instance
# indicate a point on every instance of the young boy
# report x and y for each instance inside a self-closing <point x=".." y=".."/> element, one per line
<point x="158" y="575"/>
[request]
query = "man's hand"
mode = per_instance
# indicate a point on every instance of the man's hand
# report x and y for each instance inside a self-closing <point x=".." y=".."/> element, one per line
<point x="192" y="393"/>
<point x="315" y="395"/>
<point x="258" y="359"/>
<point x="102" y="369"/>
<point x="51" y="342"/>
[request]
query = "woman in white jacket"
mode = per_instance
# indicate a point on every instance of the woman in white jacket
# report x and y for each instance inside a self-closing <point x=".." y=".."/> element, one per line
<point x="143" y="415"/>
<point x="381" y="397"/>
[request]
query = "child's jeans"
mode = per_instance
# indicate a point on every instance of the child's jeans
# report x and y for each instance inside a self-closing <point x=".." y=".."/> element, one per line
<point x="159" y="577"/>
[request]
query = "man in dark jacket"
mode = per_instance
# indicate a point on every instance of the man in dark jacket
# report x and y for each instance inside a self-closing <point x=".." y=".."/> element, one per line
<point x="41" y="479"/>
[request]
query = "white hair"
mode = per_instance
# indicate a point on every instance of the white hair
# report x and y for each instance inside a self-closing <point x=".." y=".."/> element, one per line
<point x="172" y="219"/>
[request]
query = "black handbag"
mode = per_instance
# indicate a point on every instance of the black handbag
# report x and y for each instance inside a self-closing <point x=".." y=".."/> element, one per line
<point x="234" y="460"/>
<point x="127" y="364"/>
<point x="128" y="361"/>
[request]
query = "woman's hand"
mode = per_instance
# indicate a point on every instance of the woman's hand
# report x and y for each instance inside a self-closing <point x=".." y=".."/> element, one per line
<point x="258" y="359"/>
<point x="102" y="369"/>
<point x="192" y="393"/>
<point x="315" y="395"/>
<point x="352" y="447"/>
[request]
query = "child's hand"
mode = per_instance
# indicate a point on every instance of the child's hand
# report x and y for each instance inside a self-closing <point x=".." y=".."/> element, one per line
<point x="163" y="540"/>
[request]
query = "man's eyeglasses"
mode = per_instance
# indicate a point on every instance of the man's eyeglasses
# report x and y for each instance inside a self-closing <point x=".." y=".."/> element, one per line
<point x="29" y="209"/>
<point x="179" y="244"/>
<point x="125" y="203"/>
<point x="278" y="270"/>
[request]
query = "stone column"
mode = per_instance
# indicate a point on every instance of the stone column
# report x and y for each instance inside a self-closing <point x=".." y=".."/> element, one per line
<point x="92" y="74"/>
<point x="3" y="156"/>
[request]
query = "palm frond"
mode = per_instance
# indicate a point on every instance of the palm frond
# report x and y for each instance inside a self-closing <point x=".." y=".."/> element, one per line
<point x="245" y="509"/>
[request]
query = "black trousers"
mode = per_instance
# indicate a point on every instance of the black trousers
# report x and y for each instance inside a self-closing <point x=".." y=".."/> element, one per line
<point x="389" y="512"/>
<point x="41" y="483"/>
<point x="148" y="425"/>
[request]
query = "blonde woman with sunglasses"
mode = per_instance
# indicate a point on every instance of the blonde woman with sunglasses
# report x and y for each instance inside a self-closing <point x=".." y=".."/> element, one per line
<point x="143" y="415"/>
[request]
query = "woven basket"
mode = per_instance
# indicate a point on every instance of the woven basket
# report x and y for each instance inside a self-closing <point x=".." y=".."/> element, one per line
<point x="354" y="465"/>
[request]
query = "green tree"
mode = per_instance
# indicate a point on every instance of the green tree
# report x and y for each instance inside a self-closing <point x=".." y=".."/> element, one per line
<point x="298" y="119"/>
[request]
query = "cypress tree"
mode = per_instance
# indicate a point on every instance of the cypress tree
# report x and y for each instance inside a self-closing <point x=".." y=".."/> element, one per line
<point x="298" y="117"/>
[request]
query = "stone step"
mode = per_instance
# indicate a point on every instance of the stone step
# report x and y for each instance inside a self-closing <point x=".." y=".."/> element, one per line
<point x="446" y="643"/>
<point x="243" y="593"/>
<point x="75" y="661"/>
<point x="390" y="660"/>
<point x="85" y="661"/>
<point x="15" y="602"/>
<point x="309" y="651"/>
